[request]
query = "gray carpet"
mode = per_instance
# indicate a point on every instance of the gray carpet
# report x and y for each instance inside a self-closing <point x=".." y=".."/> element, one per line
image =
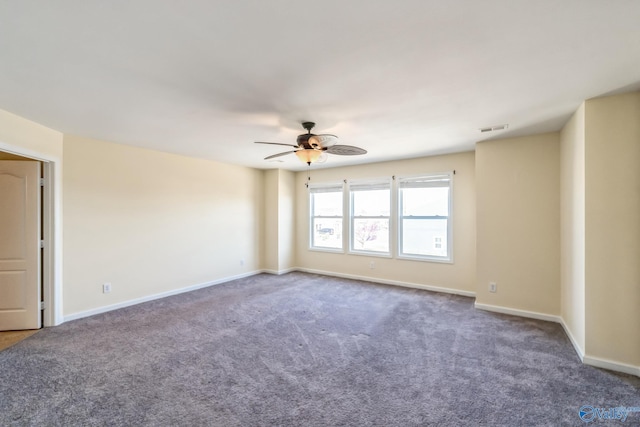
<point x="304" y="350"/>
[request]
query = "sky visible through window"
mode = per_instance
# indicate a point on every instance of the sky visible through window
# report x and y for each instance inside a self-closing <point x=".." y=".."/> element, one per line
<point x="420" y="235"/>
<point x="428" y="201"/>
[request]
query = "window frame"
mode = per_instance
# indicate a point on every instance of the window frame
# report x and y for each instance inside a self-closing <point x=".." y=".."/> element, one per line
<point x="448" y="259"/>
<point x="364" y="185"/>
<point x="325" y="188"/>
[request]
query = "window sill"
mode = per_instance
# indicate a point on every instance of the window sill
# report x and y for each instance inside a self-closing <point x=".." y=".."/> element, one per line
<point x="327" y="250"/>
<point x="371" y="254"/>
<point x="425" y="259"/>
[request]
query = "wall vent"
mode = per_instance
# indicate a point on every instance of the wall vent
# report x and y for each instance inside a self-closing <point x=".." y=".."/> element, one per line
<point x="494" y="128"/>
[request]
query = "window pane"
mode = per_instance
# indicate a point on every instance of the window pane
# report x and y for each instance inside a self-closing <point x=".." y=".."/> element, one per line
<point x="327" y="233"/>
<point x="424" y="237"/>
<point x="327" y="204"/>
<point x="371" y="203"/>
<point x="425" y="201"/>
<point x="371" y="234"/>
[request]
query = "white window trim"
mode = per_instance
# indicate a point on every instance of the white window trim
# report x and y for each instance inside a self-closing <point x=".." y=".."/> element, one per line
<point x="382" y="182"/>
<point x="313" y="189"/>
<point x="395" y="220"/>
<point x="426" y="258"/>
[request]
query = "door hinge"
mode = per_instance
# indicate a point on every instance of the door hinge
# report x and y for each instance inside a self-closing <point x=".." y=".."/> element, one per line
<point x="41" y="182"/>
<point x="41" y="244"/>
<point x="41" y="305"/>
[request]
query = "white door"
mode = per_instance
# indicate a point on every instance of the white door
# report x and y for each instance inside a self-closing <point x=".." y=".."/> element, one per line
<point x="19" y="245"/>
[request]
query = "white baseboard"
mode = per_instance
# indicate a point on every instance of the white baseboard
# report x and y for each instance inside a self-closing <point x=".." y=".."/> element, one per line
<point x="517" y="312"/>
<point x="598" y="362"/>
<point x="611" y="365"/>
<point x="105" y="309"/>
<point x="147" y="298"/>
<point x="279" y="272"/>
<point x="573" y="341"/>
<point x="391" y="282"/>
<point x="586" y="359"/>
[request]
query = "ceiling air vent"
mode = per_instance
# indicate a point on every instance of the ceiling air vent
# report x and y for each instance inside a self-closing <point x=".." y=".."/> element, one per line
<point x="493" y="128"/>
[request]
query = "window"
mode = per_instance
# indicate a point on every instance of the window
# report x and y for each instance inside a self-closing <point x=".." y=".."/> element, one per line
<point x="424" y="220"/>
<point x="408" y="217"/>
<point x="370" y="205"/>
<point x="326" y="216"/>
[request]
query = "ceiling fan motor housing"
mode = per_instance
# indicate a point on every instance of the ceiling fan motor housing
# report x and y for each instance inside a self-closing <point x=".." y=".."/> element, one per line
<point x="303" y="141"/>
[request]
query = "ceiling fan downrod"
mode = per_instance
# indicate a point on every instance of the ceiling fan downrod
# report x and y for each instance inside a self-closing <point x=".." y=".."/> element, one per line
<point x="308" y="126"/>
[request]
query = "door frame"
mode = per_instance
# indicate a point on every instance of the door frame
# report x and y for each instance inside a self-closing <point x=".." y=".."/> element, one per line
<point x="51" y="231"/>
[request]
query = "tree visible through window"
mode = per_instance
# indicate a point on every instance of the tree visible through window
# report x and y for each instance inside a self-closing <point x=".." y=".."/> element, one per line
<point x="370" y="209"/>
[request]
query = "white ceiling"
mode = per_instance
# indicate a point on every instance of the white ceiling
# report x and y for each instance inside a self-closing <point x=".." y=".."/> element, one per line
<point x="401" y="78"/>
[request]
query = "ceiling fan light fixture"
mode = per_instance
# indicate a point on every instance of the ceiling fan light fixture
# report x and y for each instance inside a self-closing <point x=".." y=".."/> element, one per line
<point x="312" y="148"/>
<point x="308" y="155"/>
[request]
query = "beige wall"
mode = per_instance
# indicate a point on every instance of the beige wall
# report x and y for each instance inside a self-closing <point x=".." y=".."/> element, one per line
<point x="271" y="223"/>
<point x="518" y="223"/>
<point x="459" y="276"/>
<point x="613" y="228"/>
<point x="279" y="220"/>
<point x="286" y="220"/>
<point x="151" y="222"/>
<point x="572" y="218"/>
<point x="29" y="138"/>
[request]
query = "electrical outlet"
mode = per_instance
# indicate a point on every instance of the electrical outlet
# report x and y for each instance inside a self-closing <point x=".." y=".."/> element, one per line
<point x="106" y="288"/>
<point x="241" y="262"/>
<point x="372" y="265"/>
<point x="493" y="287"/>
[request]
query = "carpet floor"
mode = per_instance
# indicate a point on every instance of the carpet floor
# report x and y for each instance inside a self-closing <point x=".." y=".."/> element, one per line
<point x="304" y="350"/>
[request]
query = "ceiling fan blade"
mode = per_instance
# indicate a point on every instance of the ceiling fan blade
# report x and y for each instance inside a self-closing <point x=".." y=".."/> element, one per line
<point x="276" y="143"/>
<point x="323" y="141"/>
<point x="345" y="150"/>
<point x="278" y="155"/>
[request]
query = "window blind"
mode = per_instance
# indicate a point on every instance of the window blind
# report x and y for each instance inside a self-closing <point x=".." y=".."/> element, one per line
<point x="440" y="180"/>
<point x="369" y="185"/>
<point x="326" y="188"/>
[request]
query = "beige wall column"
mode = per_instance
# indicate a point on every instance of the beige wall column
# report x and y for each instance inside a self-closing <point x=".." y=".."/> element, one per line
<point x="612" y="303"/>
<point x="572" y="252"/>
<point x="270" y="220"/>
<point x="518" y="223"/>
<point x="286" y="220"/>
<point x="279" y="220"/>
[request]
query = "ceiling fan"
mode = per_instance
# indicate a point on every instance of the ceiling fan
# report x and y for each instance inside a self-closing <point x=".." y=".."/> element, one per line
<point x="312" y="148"/>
